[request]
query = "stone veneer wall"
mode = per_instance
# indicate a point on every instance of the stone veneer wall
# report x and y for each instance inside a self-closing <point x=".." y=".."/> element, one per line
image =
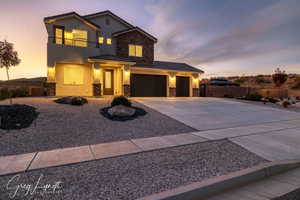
<point x="196" y="92"/>
<point x="172" y="92"/>
<point x="51" y="89"/>
<point x="126" y="89"/>
<point x="136" y="38"/>
<point x="97" y="89"/>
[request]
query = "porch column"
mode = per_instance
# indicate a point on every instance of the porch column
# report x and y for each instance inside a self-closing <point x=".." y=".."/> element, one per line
<point x="50" y="85"/>
<point x="126" y="81"/>
<point x="96" y="80"/>
<point x="172" y="84"/>
<point x="195" y="85"/>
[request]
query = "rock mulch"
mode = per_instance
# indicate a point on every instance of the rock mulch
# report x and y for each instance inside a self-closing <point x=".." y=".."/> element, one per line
<point x="17" y="116"/>
<point x="141" y="174"/>
<point x="61" y="126"/>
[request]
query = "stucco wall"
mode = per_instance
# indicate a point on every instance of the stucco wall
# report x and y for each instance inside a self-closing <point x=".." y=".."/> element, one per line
<point x="74" y="90"/>
<point x="107" y="31"/>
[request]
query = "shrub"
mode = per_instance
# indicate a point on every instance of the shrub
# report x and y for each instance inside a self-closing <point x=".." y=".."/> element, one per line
<point x="285" y="103"/>
<point x="120" y="100"/>
<point x="279" y="78"/>
<point x="78" y="101"/>
<point x="4" y="93"/>
<point x="253" y="97"/>
<point x="272" y="100"/>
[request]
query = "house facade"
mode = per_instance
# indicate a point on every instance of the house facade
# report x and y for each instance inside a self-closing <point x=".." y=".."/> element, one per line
<point x="102" y="54"/>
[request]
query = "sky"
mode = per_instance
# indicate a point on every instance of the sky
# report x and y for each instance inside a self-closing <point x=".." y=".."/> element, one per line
<point x="221" y="37"/>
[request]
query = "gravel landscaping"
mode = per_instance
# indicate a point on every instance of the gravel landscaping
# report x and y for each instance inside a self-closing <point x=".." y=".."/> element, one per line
<point x="60" y="126"/>
<point x="138" y="175"/>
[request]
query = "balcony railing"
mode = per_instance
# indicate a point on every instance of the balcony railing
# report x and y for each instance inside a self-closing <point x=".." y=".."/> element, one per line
<point x="72" y="42"/>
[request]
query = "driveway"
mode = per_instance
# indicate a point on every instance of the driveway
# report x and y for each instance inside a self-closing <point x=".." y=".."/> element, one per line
<point x="271" y="133"/>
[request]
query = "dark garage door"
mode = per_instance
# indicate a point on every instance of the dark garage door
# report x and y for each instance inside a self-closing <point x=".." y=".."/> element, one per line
<point x="182" y="86"/>
<point x="142" y="85"/>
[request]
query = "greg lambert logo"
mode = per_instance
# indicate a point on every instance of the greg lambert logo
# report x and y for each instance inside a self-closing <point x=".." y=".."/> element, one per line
<point x="16" y="187"/>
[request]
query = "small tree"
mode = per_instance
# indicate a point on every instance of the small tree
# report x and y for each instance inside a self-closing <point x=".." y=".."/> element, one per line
<point x="8" y="58"/>
<point x="279" y="77"/>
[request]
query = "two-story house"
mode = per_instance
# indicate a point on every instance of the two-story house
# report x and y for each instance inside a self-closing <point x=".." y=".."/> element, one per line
<point x="102" y="54"/>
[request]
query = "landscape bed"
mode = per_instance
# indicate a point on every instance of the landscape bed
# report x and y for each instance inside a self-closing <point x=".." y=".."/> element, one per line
<point x="137" y="175"/>
<point x="60" y="126"/>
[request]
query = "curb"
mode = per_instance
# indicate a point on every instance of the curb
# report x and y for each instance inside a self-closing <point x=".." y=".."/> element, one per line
<point x="215" y="185"/>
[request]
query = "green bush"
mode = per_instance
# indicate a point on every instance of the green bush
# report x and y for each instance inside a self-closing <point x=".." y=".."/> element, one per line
<point x="120" y="100"/>
<point x="253" y="97"/>
<point x="78" y="101"/>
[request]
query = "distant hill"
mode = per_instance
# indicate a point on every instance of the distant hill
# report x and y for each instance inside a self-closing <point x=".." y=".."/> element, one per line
<point x="37" y="81"/>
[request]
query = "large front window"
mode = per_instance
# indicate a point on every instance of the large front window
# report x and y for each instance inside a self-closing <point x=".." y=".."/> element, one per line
<point x="135" y="50"/>
<point x="73" y="75"/>
<point x="75" y="37"/>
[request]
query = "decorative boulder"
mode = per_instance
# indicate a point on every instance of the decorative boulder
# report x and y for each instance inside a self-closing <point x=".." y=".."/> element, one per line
<point x="121" y="111"/>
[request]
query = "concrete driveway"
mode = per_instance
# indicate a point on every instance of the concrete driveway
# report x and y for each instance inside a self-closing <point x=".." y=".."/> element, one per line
<point x="271" y="133"/>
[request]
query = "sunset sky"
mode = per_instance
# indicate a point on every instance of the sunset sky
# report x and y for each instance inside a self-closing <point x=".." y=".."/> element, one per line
<point x="222" y="37"/>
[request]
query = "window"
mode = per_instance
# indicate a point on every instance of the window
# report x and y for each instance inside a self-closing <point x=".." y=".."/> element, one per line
<point x="100" y="40"/>
<point x="80" y="38"/>
<point x="108" y="41"/>
<point x="107" y="21"/>
<point x="68" y="38"/>
<point x="73" y="75"/>
<point x="135" y="50"/>
<point x="58" y="35"/>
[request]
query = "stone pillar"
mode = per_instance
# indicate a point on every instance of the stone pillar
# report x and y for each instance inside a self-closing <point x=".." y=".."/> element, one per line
<point x="97" y="89"/>
<point x="196" y="92"/>
<point x="172" y="92"/>
<point x="126" y="89"/>
<point x="51" y="89"/>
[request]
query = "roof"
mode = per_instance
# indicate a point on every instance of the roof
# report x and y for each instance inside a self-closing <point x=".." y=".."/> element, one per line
<point x="116" y="34"/>
<point x="55" y="17"/>
<point x="108" y="12"/>
<point x="112" y="58"/>
<point x="170" y="66"/>
<point x="86" y="18"/>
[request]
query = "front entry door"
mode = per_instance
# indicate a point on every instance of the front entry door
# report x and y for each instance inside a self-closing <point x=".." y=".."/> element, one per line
<point x="108" y="82"/>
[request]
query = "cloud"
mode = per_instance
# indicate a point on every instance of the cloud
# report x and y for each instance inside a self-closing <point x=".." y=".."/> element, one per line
<point x="204" y="38"/>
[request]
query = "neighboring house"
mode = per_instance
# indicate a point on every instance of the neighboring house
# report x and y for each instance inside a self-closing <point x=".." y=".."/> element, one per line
<point x="102" y="54"/>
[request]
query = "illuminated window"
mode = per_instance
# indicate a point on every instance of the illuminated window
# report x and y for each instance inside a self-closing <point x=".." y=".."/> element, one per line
<point x="101" y="40"/>
<point x="73" y="75"/>
<point x="80" y="38"/>
<point x="108" y="41"/>
<point x="59" y="35"/>
<point x="135" y="50"/>
<point x="68" y="38"/>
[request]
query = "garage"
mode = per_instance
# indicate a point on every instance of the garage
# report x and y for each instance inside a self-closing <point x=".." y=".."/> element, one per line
<point x="182" y="86"/>
<point x="142" y="85"/>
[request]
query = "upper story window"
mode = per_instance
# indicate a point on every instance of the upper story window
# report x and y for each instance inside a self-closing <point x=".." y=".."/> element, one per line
<point x="107" y="21"/>
<point x="59" y="32"/>
<point x="74" y="38"/>
<point x="108" y="41"/>
<point x="135" y="50"/>
<point x="100" y="40"/>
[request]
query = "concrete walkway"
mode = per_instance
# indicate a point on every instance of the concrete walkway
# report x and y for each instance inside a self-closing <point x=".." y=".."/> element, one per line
<point x="273" y="134"/>
<point x="272" y="141"/>
<point x="267" y="189"/>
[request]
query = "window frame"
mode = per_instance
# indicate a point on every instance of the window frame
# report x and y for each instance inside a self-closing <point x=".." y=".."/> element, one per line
<point x="135" y="50"/>
<point x="63" y="34"/>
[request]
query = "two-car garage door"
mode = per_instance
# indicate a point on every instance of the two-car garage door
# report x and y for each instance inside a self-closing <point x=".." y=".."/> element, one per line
<point x="142" y="85"/>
